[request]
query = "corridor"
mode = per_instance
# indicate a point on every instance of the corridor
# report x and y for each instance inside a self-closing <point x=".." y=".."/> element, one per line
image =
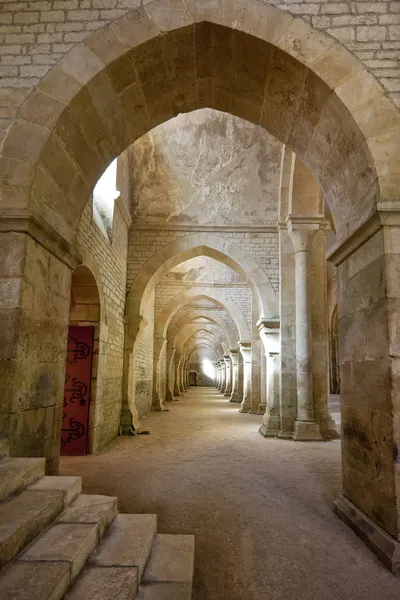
<point x="260" y="508"/>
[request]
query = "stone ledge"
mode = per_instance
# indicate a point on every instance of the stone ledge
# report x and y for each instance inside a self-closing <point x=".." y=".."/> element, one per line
<point x="386" y="548"/>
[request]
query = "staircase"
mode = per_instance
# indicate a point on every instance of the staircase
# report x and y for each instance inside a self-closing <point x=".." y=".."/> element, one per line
<point x="56" y="542"/>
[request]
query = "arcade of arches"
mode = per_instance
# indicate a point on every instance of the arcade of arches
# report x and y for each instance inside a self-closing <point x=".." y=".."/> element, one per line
<point x="248" y="240"/>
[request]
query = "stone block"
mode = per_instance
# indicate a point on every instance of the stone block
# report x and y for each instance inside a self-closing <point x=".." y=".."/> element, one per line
<point x="34" y="581"/>
<point x="71" y="543"/>
<point x="127" y="543"/>
<point x="171" y="559"/>
<point x="93" y="509"/>
<point x="156" y="590"/>
<point x="23" y="517"/>
<point x="104" y="583"/>
<point x="18" y="473"/>
<point x="70" y="486"/>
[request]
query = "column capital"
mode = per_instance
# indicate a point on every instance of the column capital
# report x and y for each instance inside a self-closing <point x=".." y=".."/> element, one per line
<point x="268" y="325"/>
<point x="303" y="229"/>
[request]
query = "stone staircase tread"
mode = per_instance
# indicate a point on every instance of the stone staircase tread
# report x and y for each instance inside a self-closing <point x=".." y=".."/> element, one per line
<point x="127" y="543"/>
<point x="70" y="486"/>
<point x="91" y="509"/>
<point x="66" y="542"/>
<point x="169" y="590"/>
<point x="105" y="583"/>
<point x="23" y="516"/>
<point x="171" y="559"/>
<point x="34" y="580"/>
<point x="18" y="473"/>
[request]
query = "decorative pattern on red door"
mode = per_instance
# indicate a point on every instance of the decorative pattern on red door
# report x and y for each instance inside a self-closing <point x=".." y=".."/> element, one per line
<point x="78" y="374"/>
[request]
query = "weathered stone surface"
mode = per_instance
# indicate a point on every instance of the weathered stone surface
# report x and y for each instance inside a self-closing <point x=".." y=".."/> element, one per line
<point x="23" y="517"/>
<point x="127" y="543"/>
<point x="94" y="509"/>
<point x="104" y="583"/>
<point x="70" y="486"/>
<point x="71" y="543"/>
<point x="17" y="473"/>
<point x="156" y="590"/>
<point x="35" y="580"/>
<point x="171" y="559"/>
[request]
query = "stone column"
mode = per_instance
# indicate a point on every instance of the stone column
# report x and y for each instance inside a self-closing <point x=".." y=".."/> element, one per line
<point x="234" y="354"/>
<point x="302" y="231"/>
<point x="223" y="377"/>
<point x="177" y="389"/>
<point x="287" y="313"/>
<point x="245" y="350"/>
<point x="218" y="372"/>
<point x="270" y="337"/>
<point x="158" y="401"/>
<point x="228" y="378"/>
<point x="320" y="334"/>
<point x="262" y="407"/>
<point x="169" y="393"/>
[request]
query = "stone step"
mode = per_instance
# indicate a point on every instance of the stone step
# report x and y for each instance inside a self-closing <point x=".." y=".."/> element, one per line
<point x="18" y="473"/>
<point x="169" y="570"/>
<point x="105" y="583"/>
<point x="71" y="487"/>
<point x="95" y="510"/>
<point x="24" y="516"/>
<point x="128" y="543"/>
<point x="62" y="549"/>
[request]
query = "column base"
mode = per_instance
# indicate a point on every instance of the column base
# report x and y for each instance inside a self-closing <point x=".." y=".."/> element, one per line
<point x="285" y="435"/>
<point x="268" y="432"/>
<point x="386" y="548"/>
<point x="244" y="407"/>
<point x="234" y="397"/>
<point x="307" y="431"/>
<point x="261" y="409"/>
<point x="228" y="394"/>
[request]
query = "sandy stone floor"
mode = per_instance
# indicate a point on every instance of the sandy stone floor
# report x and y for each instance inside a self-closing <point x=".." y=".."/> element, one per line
<point x="260" y="509"/>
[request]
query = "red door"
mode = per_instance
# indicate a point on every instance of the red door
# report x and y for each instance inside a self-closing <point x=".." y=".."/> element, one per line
<point x="78" y="374"/>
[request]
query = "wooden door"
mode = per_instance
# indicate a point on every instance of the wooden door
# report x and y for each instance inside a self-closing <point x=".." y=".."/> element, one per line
<point x="78" y="373"/>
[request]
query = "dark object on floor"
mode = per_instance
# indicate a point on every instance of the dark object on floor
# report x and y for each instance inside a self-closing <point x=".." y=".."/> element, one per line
<point x="143" y="432"/>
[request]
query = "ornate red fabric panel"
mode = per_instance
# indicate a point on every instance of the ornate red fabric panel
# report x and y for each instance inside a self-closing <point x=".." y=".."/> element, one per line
<point x="78" y="374"/>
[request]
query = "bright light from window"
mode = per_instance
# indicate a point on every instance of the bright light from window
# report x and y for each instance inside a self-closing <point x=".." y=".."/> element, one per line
<point x="208" y="368"/>
<point x="105" y="193"/>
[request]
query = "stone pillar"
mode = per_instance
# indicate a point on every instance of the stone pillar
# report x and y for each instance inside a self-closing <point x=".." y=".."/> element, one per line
<point x="169" y="393"/>
<point x="158" y="401"/>
<point x="240" y="378"/>
<point x="320" y="335"/>
<point x="234" y="354"/>
<point x="369" y="354"/>
<point x="228" y="377"/>
<point x="218" y="375"/>
<point x="223" y="376"/>
<point x="302" y="231"/>
<point x="245" y="350"/>
<point x="287" y="312"/>
<point x="35" y="289"/>
<point x="269" y="334"/>
<point x="177" y="389"/>
<point x="263" y="404"/>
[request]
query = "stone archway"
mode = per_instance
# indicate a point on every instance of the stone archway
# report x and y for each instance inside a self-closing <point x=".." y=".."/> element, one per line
<point x="261" y="64"/>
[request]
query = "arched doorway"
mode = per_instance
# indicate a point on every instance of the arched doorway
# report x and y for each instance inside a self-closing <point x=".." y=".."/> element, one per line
<point x="81" y="363"/>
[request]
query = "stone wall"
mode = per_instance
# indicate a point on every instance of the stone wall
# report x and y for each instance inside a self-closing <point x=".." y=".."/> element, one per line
<point x="107" y="260"/>
<point x="35" y="35"/>
<point x="262" y="246"/>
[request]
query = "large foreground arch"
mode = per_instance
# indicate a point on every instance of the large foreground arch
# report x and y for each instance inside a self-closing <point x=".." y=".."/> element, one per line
<point x="252" y="60"/>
